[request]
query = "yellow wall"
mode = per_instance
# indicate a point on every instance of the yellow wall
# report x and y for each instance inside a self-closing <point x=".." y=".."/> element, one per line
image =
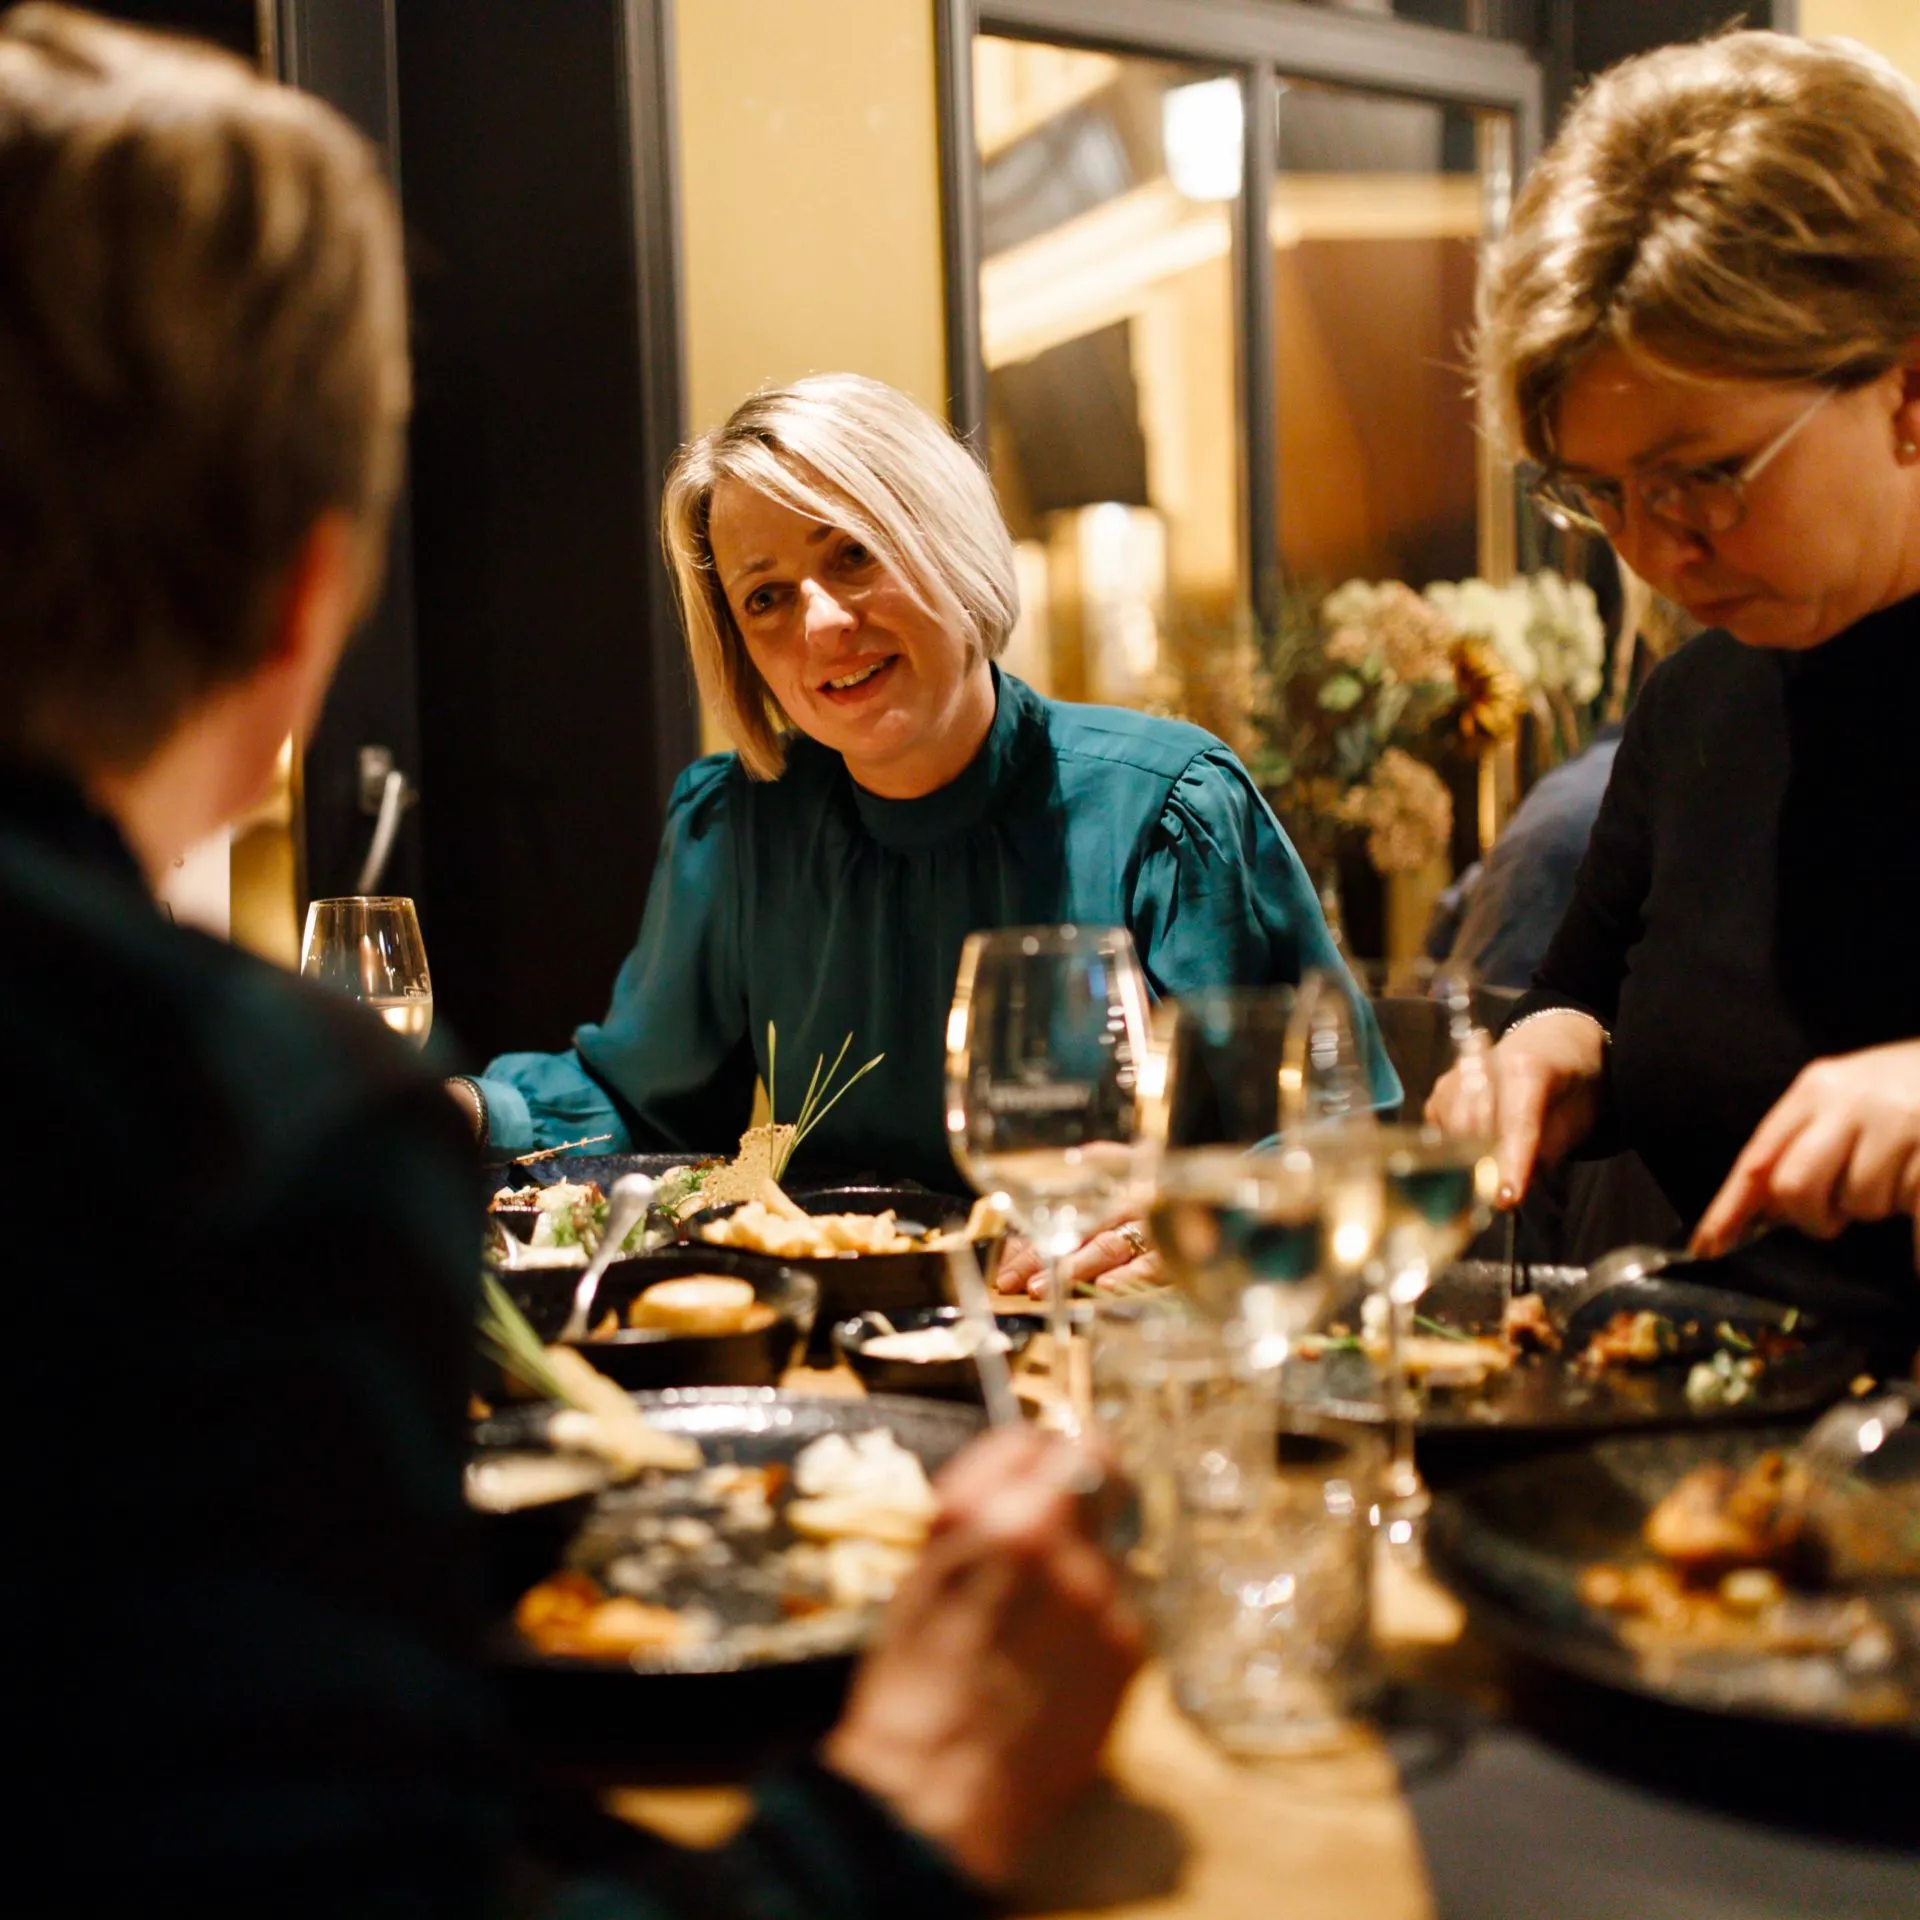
<point x="1891" y="27"/>
<point x="810" y="196"/>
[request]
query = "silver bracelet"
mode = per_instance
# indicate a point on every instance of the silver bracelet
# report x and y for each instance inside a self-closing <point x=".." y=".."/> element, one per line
<point x="1546" y="1013"/>
<point x="483" y="1119"/>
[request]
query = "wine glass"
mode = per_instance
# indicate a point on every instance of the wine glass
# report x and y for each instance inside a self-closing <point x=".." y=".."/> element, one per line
<point x="1045" y="1046"/>
<point x="1249" y="1227"/>
<point x="1438" y="1192"/>
<point x="370" y="948"/>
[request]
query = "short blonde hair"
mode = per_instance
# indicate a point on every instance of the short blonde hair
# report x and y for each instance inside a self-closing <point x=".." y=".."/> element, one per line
<point x="858" y="455"/>
<point x="1747" y="207"/>
<point x="202" y="351"/>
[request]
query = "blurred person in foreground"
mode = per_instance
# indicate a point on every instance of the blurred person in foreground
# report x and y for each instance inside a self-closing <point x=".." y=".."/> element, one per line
<point x="1704" y="326"/>
<point x="240" y="1571"/>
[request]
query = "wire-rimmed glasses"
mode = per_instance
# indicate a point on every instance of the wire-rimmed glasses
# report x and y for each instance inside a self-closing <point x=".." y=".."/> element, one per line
<point x="1709" y="500"/>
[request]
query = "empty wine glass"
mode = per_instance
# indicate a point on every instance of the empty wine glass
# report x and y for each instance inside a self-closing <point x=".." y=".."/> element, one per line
<point x="1045" y="1046"/>
<point x="370" y="948"/>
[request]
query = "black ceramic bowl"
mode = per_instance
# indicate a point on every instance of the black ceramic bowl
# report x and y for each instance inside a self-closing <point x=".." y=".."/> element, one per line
<point x="935" y="1379"/>
<point x="850" y="1283"/>
<point x="648" y="1359"/>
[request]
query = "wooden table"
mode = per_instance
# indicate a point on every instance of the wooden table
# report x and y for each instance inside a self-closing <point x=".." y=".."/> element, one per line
<point x="1527" y="1817"/>
<point x="1176" y="1828"/>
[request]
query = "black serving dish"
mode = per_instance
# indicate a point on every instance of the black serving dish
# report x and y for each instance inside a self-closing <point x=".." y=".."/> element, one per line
<point x="648" y="1360"/>
<point x="1513" y="1543"/>
<point x="937" y="1379"/>
<point x="890" y="1283"/>
<point x="1545" y="1394"/>
<point x="760" y="1685"/>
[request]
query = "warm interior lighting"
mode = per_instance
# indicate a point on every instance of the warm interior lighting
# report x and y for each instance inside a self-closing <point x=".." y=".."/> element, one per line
<point x="1203" y="134"/>
<point x="1101" y="267"/>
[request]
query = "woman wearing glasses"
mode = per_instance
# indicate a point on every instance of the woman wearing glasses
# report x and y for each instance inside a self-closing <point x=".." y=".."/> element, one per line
<point x="1704" y="328"/>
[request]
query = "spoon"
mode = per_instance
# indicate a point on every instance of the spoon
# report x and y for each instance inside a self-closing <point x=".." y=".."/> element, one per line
<point x="1622" y="1267"/>
<point x="627" y="1206"/>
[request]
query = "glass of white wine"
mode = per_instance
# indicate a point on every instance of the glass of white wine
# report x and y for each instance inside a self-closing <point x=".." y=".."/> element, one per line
<point x="369" y="947"/>
<point x="1438" y="1191"/>
<point x="1046" y="1044"/>
<point x="1248" y="1226"/>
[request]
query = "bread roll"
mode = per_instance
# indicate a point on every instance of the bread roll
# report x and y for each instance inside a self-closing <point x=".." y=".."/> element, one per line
<point x="701" y="1303"/>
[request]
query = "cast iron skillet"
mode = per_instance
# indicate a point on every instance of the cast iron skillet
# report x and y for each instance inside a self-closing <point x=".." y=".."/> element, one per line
<point x="862" y="1282"/>
<point x="654" y="1360"/>
<point x="1513" y="1542"/>
<point x="1545" y="1394"/>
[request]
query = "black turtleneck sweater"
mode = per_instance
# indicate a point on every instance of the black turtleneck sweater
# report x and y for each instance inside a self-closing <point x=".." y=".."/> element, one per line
<point x="1750" y="902"/>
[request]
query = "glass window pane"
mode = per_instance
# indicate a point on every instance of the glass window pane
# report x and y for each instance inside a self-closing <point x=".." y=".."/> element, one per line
<point x="1499" y="19"/>
<point x="1110" y="191"/>
<point x="1376" y="220"/>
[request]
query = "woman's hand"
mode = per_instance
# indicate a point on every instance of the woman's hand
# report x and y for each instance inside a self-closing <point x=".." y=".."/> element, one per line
<point x="980" y="1712"/>
<point x="1841" y="1144"/>
<point x="1546" y="1078"/>
<point x="1117" y="1256"/>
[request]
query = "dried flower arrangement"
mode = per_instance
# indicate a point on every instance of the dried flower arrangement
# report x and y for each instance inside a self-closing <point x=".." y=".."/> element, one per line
<point x="1361" y="690"/>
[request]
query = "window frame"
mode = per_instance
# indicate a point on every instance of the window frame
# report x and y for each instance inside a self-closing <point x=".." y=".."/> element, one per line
<point x="1261" y="42"/>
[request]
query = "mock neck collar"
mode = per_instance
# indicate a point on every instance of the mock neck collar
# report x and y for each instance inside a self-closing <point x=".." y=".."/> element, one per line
<point x="51" y="806"/>
<point x="911" y="826"/>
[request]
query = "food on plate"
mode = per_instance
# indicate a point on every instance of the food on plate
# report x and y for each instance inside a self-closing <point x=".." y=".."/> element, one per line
<point x="785" y="1557"/>
<point x="1739" y="1560"/>
<point x="1454" y="1362"/>
<point x="1716" y="1519"/>
<point x="601" y="1418"/>
<point x="569" y="1217"/>
<point x="571" y="1614"/>
<point x="929" y="1346"/>
<point x="699" y="1303"/>
<point x="771" y="1223"/>
<point x="1630" y="1339"/>
<point x="510" y="1483"/>
<point x="869" y="1487"/>
<point x="1525" y="1327"/>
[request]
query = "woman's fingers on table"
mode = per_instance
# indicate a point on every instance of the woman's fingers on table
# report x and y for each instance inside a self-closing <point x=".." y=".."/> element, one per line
<point x="1019" y="1263"/>
<point x="1112" y="1257"/>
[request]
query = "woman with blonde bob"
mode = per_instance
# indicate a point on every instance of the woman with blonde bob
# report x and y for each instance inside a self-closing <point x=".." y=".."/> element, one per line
<point x="1704" y="329"/>
<point x="846" y="582"/>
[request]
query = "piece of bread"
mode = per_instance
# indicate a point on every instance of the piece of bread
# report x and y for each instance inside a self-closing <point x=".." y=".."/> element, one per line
<point x="699" y="1303"/>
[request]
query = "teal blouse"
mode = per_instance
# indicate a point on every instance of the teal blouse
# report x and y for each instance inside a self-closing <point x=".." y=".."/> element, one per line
<point x="811" y="903"/>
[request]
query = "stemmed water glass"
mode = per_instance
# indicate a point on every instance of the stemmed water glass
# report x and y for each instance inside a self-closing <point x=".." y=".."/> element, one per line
<point x="1250" y="1227"/>
<point x="1046" y="1044"/>
<point x="1438" y="1191"/>
<point x="370" y="948"/>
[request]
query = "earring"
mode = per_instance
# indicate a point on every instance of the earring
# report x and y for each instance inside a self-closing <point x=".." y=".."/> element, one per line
<point x="1907" y="451"/>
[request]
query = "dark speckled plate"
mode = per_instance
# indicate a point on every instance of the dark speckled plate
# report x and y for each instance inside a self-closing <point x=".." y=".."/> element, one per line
<point x="1545" y="1394"/>
<point x="736" y="1585"/>
<point x="1514" y="1541"/>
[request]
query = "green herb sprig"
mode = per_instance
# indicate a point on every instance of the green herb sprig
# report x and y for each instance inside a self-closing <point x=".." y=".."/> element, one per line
<point x="821" y="1097"/>
<point x="507" y="1339"/>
